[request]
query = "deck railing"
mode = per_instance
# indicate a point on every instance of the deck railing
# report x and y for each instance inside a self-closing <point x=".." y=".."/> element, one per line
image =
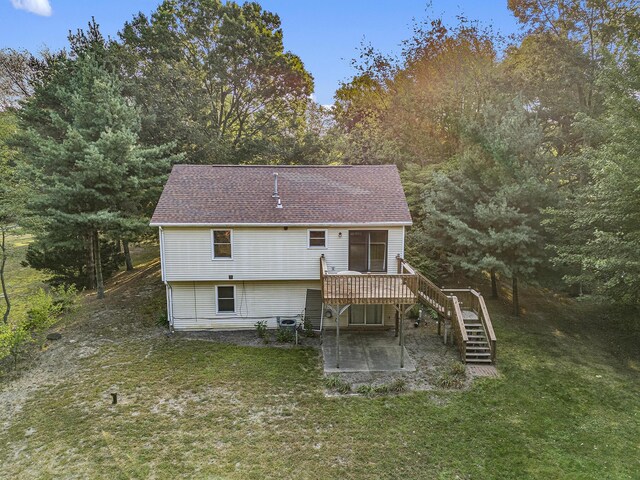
<point x="342" y="289"/>
<point x="459" y="330"/>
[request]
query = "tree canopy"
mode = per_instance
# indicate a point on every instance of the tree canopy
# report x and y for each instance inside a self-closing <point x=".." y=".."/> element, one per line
<point x="215" y="78"/>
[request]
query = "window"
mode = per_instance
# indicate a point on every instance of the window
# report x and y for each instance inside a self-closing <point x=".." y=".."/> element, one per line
<point x="221" y="240"/>
<point x="368" y="250"/>
<point x="317" y="239"/>
<point x="226" y="299"/>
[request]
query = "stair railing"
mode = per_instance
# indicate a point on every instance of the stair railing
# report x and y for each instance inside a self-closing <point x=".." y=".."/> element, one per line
<point x="457" y="323"/>
<point x="427" y="291"/>
<point x="475" y="301"/>
<point x="483" y="314"/>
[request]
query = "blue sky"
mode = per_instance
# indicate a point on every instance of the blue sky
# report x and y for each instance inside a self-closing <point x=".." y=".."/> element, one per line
<point x="326" y="34"/>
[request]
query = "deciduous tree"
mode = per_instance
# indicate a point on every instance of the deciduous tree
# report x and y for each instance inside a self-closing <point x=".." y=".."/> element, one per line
<point x="214" y="77"/>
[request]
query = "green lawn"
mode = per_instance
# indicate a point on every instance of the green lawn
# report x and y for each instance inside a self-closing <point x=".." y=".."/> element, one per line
<point x="22" y="282"/>
<point x="564" y="407"/>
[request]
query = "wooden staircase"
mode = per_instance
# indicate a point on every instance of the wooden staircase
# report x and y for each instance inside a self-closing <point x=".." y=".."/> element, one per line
<point x="478" y="349"/>
<point x="466" y="312"/>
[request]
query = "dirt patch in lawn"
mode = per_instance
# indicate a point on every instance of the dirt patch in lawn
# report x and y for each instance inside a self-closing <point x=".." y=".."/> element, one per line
<point x="116" y="319"/>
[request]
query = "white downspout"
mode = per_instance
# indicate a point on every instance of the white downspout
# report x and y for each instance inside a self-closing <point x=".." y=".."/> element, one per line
<point x="168" y="288"/>
<point x="402" y="253"/>
<point x="162" y="259"/>
<point x="169" y="306"/>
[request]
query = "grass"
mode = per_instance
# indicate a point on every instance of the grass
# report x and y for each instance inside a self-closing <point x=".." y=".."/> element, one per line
<point x="565" y="406"/>
<point x="22" y="282"/>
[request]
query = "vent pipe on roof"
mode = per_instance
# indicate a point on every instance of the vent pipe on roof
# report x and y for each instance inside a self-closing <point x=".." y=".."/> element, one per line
<point x="275" y="186"/>
<point x="279" y="204"/>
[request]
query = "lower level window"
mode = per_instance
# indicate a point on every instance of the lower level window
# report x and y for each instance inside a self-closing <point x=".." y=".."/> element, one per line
<point x="226" y="299"/>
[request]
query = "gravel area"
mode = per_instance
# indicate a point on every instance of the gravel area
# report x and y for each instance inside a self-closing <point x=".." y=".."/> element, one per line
<point x="248" y="338"/>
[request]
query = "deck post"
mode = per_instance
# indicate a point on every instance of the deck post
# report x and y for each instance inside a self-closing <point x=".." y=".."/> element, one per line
<point x="402" y="336"/>
<point x="337" y="314"/>
<point x="397" y="323"/>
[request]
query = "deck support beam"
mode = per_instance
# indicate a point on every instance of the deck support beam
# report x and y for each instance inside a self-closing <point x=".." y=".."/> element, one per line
<point x="337" y="336"/>
<point x="336" y="311"/>
<point x="401" y="311"/>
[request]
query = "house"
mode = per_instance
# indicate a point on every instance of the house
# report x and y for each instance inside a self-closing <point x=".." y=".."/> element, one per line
<point x="242" y="244"/>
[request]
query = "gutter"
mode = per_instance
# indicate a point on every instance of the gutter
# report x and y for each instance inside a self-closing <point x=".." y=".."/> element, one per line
<point x="283" y="224"/>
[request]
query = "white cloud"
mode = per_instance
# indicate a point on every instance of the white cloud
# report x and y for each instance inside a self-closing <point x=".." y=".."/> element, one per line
<point x="39" y="7"/>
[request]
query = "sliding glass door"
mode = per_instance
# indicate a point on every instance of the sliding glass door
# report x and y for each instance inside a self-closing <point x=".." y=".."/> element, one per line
<point x="368" y="250"/>
<point x="365" y="315"/>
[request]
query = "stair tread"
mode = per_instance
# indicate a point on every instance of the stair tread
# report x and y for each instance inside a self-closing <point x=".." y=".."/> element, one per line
<point x="469" y="315"/>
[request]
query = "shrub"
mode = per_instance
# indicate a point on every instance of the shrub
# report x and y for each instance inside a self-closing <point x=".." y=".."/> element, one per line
<point x="261" y="329"/>
<point x="334" y="382"/>
<point x="366" y="389"/>
<point x="398" y="385"/>
<point x="13" y="338"/>
<point x="285" y="335"/>
<point x="458" y="369"/>
<point x="307" y="328"/>
<point x="65" y="297"/>
<point x="446" y="380"/>
<point x="453" y="376"/>
<point x="43" y="312"/>
<point x="162" y="318"/>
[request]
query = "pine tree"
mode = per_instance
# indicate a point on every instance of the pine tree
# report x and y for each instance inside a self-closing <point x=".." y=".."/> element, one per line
<point x="94" y="180"/>
<point x="603" y="219"/>
<point x="485" y="213"/>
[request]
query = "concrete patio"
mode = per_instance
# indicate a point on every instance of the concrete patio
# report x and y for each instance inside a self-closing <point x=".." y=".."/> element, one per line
<point x="364" y="352"/>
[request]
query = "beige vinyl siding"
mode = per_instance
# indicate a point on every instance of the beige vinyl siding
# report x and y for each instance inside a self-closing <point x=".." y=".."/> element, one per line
<point x="262" y="253"/>
<point x="194" y="304"/>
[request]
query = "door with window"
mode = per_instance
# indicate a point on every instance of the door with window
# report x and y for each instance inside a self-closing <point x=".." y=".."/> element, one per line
<point x="368" y="250"/>
<point x="365" y="315"/>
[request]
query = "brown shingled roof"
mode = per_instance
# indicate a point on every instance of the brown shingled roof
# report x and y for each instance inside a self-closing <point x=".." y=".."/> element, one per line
<point x="311" y="195"/>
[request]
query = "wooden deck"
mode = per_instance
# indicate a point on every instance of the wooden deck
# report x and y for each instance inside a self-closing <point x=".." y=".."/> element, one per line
<point x="369" y="289"/>
<point x="465" y="308"/>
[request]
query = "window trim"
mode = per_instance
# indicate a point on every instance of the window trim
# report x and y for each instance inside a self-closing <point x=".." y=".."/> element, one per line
<point x="326" y="238"/>
<point x="218" y="312"/>
<point x="213" y="245"/>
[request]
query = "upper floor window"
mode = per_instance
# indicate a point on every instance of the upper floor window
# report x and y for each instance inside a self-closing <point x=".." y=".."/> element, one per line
<point x="368" y="250"/>
<point x="317" y="239"/>
<point x="221" y="240"/>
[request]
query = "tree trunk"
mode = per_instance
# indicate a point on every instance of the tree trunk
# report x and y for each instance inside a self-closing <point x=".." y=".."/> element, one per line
<point x="516" y="300"/>
<point x="91" y="262"/>
<point x="494" y="284"/>
<point x="96" y="249"/>
<point x="5" y="318"/>
<point x="127" y="255"/>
